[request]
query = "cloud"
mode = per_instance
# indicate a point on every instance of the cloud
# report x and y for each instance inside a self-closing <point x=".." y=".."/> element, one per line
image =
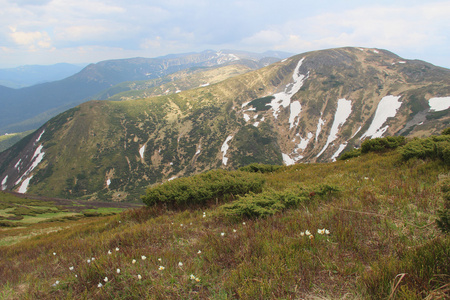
<point x="31" y="40"/>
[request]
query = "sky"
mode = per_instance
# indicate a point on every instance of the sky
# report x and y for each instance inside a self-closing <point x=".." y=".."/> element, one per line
<point x="87" y="31"/>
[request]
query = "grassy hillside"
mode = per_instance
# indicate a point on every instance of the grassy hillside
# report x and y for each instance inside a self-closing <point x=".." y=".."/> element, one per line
<point x="370" y="235"/>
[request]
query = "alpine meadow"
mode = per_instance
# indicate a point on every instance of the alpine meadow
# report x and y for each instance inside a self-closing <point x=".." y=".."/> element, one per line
<point x="231" y="175"/>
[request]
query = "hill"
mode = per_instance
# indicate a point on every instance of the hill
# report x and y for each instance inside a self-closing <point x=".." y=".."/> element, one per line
<point x="362" y="228"/>
<point x="308" y="108"/>
<point x="28" y="108"/>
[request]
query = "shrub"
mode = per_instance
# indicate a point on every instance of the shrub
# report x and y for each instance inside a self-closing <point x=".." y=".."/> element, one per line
<point x="260" y="168"/>
<point x="446" y="131"/>
<point x="263" y="204"/>
<point x="382" y="144"/>
<point x="350" y="154"/>
<point x="434" y="147"/>
<point x="199" y="189"/>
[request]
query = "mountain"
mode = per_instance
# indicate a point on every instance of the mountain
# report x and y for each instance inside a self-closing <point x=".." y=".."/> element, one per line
<point x="29" y="75"/>
<point x="308" y="108"/>
<point x="28" y="108"/>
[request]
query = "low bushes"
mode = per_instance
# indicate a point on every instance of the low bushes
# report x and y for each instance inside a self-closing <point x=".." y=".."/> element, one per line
<point x="434" y="147"/>
<point x="443" y="222"/>
<point x="382" y="144"/>
<point x="199" y="189"/>
<point x="260" y="168"/>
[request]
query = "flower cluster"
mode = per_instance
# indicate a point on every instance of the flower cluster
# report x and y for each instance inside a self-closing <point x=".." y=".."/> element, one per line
<point x="192" y="277"/>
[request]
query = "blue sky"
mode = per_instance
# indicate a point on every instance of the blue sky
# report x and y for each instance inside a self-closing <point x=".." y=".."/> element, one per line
<point x="84" y="31"/>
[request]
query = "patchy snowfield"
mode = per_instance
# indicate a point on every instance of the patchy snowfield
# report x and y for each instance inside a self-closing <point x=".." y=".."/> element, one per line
<point x="224" y="149"/>
<point x="319" y="127"/>
<point x="387" y="108"/>
<point x="338" y="152"/>
<point x="296" y="109"/>
<point x="287" y="160"/>
<point x="439" y="103"/>
<point x="4" y="182"/>
<point x="24" y="186"/>
<point x="343" y="110"/>
<point x="141" y="151"/>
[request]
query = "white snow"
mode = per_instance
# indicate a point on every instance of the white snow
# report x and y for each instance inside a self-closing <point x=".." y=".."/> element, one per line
<point x="198" y="151"/>
<point x="338" y="152"/>
<point x="387" y="108"/>
<point x="245" y="104"/>
<point x="17" y="164"/>
<point x="4" y="182"/>
<point x="108" y="182"/>
<point x="284" y="98"/>
<point x="24" y="186"/>
<point x="141" y="151"/>
<point x="439" y="103"/>
<point x="206" y="84"/>
<point x="344" y="108"/>
<point x="224" y="149"/>
<point x="402" y="62"/>
<point x="246" y="117"/>
<point x="284" y="60"/>
<point x="39" y="138"/>
<point x="319" y="127"/>
<point x="172" y="178"/>
<point x="36" y="159"/>
<point x="178" y="91"/>
<point x="287" y="159"/>
<point x="256" y="124"/>
<point x="296" y="109"/>
<point x="376" y="51"/>
<point x="356" y="132"/>
<point x="304" y="142"/>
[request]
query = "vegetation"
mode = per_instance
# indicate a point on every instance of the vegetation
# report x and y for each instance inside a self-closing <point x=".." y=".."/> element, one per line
<point x="363" y="228"/>
<point x="382" y="144"/>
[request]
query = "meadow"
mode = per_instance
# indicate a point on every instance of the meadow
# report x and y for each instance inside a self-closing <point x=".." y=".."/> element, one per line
<point x="360" y="228"/>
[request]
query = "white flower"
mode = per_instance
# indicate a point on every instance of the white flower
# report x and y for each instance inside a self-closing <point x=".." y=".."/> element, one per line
<point x="106" y="279"/>
<point x="76" y="275"/>
<point x="161" y="268"/>
<point x="321" y="231"/>
<point x="243" y="223"/>
<point x="54" y="253"/>
<point x="307" y="232"/>
<point x="143" y="257"/>
<point x="109" y="252"/>
<point x="311" y="237"/>
<point x="71" y="268"/>
<point x="222" y="234"/>
<point x="88" y="261"/>
<point x="234" y="230"/>
<point x="117" y="248"/>
<point x="139" y="276"/>
<point x="93" y="258"/>
<point x="199" y="252"/>
<point x="133" y="261"/>
<point x="99" y="285"/>
<point x="302" y="233"/>
<point x="192" y="277"/>
<point x="327" y="232"/>
<point x="159" y="259"/>
<point x="181" y="225"/>
<point x="180" y="264"/>
<point x="118" y="271"/>
<point x="197" y="279"/>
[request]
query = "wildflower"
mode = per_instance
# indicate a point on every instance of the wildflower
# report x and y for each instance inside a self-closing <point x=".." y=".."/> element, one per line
<point x="99" y="285"/>
<point x="180" y="264"/>
<point x="133" y="261"/>
<point x="327" y="232"/>
<point x="161" y="268"/>
<point x="159" y="259"/>
<point x="311" y="237"/>
<point x="54" y="253"/>
<point x="139" y="276"/>
<point x="199" y="252"/>
<point x="76" y="275"/>
<point x="222" y="234"/>
<point x="192" y="277"/>
<point x="117" y="248"/>
<point x="71" y="268"/>
<point x="321" y="231"/>
<point x="234" y="230"/>
<point x="118" y="271"/>
<point x="109" y="252"/>
<point x="243" y="223"/>
<point x="307" y="232"/>
<point x="88" y="261"/>
<point x="56" y="283"/>
<point x="93" y="258"/>
<point x="190" y="223"/>
<point x="181" y="225"/>
<point x="302" y="233"/>
<point x="197" y="279"/>
<point x="106" y="279"/>
<point x="143" y="257"/>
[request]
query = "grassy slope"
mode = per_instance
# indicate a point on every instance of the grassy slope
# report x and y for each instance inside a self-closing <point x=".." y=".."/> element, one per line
<point x="381" y="225"/>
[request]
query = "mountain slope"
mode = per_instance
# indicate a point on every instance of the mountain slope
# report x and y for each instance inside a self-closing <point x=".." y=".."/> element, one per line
<point x="28" y="108"/>
<point x="308" y="108"/>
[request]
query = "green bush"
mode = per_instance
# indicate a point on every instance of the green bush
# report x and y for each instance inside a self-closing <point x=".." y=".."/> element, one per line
<point x="260" y="168"/>
<point x="199" y="189"/>
<point x="382" y="144"/>
<point x="434" y="147"/>
<point x="350" y="154"/>
<point x="263" y="204"/>
<point x="446" y="131"/>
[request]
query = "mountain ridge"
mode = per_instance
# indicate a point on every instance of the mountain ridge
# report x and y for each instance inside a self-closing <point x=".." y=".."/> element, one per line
<point x="308" y="108"/>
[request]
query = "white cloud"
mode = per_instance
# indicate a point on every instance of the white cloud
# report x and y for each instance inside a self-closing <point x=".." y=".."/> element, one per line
<point x="32" y="40"/>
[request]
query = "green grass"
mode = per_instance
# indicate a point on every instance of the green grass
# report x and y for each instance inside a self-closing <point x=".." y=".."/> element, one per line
<point x="383" y="243"/>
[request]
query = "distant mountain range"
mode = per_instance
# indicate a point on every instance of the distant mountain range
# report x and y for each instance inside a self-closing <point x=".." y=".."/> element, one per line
<point x="29" y="107"/>
<point x="29" y="75"/>
<point x="308" y="108"/>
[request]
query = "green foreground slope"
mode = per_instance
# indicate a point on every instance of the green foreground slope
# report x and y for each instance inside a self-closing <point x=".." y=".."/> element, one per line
<point x="373" y="236"/>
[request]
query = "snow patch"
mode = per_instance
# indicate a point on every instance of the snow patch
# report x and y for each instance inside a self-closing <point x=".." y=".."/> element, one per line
<point x="36" y="159"/>
<point x="206" y="84"/>
<point x="172" y="178"/>
<point x="344" y="108"/>
<point x="246" y="117"/>
<point x="319" y="127"/>
<point x="4" y="182"/>
<point x="287" y="159"/>
<point x="224" y="149"/>
<point x="39" y="138"/>
<point x="296" y="109"/>
<point x="24" y="186"/>
<point x="284" y="98"/>
<point x="141" y="151"/>
<point x="178" y="91"/>
<point x="439" y="103"/>
<point x="387" y="108"/>
<point x="304" y="142"/>
<point x="338" y="152"/>
<point x="17" y="164"/>
<point x="108" y="182"/>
